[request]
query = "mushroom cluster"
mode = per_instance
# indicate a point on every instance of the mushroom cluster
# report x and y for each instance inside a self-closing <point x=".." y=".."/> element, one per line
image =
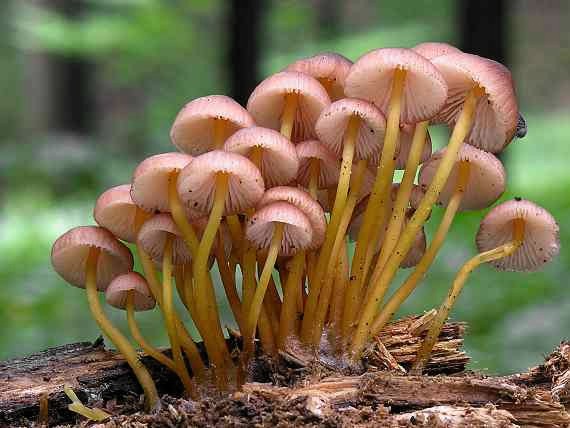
<point x="274" y="192"/>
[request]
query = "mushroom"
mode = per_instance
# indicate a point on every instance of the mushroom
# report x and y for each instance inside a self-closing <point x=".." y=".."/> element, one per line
<point x="131" y="292"/>
<point x="273" y="154"/>
<point x="477" y="180"/>
<point x="282" y="229"/>
<point x="472" y="81"/>
<point x="329" y="68"/>
<point x="516" y="235"/>
<point x="431" y="50"/>
<point x="315" y="214"/>
<point x="116" y="211"/>
<point x="160" y="238"/>
<point x="289" y="101"/>
<point x="408" y="89"/>
<point x="318" y="167"/>
<point x="205" y="123"/>
<point x="90" y="257"/>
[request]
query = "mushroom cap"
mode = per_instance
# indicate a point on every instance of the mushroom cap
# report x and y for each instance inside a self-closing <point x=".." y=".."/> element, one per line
<point x="197" y="182"/>
<point x="267" y="101"/>
<point x="406" y="138"/>
<point x="70" y="251"/>
<point x="496" y="115"/>
<point x="329" y="166"/>
<point x="193" y="128"/>
<point x="279" y="161"/>
<point x="431" y="50"/>
<point x="416" y="196"/>
<point x="333" y="121"/>
<point x="328" y="66"/>
<point x="541" y="241"/>
<point x="297" y="230"/>
<point x="417" y="250"/>
<point x="152" y="238"/>
<point x="486" y="183"/>
<point x="118" y="290"/>
<point x="425" y="90"/>
<point x="303" y="201"/>
<point x="149" y="188"/>
<point x="116" y="211"/>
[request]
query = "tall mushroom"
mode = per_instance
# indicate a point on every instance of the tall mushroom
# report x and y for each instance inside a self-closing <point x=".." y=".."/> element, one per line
<point x="90" y="257"/>
<point x="516" y="235"/>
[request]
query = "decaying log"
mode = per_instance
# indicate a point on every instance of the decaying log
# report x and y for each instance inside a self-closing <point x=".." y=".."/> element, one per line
<point x="100" y="377"/>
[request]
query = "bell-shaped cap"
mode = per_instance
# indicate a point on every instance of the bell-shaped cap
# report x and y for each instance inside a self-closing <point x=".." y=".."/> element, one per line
<point x="496" y="115"/>
<point x="193" y="129"/>
<point x="149" y="188"/>
<point x="70" y="251"/>
<point x="303" y="201"/>
<point x="333" y="122"/>
<point x="329" y="68"/>
<point x="406" y="138"/>
<point x="118" y="290"/>
<point x="153" y="234"/>
<point x="541" y="242"/>
<point x="297" y="230"/>
<point x="425" y="90"/>
<point x="279" y="161"/>
<point x="197" y="182"/>
<point x="486" y="182"/>
<point x="431" y="50"/>
<point x="116" y="211"/>
<point x="329" y="165"/>
<point x="267" y="102"/>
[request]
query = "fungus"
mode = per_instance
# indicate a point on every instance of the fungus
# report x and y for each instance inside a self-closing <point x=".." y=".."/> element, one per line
<point x="318" y="167"/>
<point x="90" y="257"/>
<point x="516" y="235"/>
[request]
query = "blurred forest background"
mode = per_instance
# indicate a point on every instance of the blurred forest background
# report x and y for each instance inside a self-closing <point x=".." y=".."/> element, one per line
<point x="90" y="87"/>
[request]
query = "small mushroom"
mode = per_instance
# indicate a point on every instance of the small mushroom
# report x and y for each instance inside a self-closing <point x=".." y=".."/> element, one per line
<point x="319" y="168"/>
<point x="205" y="123"/>
<point x="289" y="101"/>
<point x="329" y="68"/>
<point x="91" y="257"/>
<point x="130" y="292"/>
<point x="516" y="235"/>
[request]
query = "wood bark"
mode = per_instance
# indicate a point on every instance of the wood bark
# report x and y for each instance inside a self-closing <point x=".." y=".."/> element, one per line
<point x="325" y="389"/>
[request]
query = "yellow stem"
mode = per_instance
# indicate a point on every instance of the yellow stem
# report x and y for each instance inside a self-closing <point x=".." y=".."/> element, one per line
<point x="327" y="84"/>
<point x="460" y="131"/>
<point x="257" y="301"/>
<point x="169" y="318"/>
<point x="137" y="335"/>
<point x="115" y="336"/>
<point x="317" y="322"/>
<point x="289" y="113"/>
<point x="402" y="293"/>
<point x="228" y="281"/>
<point x="314" y="171"/>
<point x="236" y="232"/>
<point x="500" y="252"/>
<point x="403" y="197"/>
<point x="351" y="134"/>
<point x="341" y="281"/>
<point x="219" y="133"/>
<point x="290" y="297"/>
<point x="375" y="214"/>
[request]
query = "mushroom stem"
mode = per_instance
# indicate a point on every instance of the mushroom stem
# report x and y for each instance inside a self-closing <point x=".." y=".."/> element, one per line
<point x="137" y="335"/>
<point x="314" y="171"/>
<point x="289" y="308"/>
<point x="460" y="131"/>
<point x="500" y="252"/>
<point x="228" y="281"/>
<point x="219" y="133"/>
<point x="402" y="293"/>
<point x="341" y="281"/>
<point x="331" y="268"/>
<point x="257" y="301"/>
<point x="289" y="113"/>
<point x="349" y="144"/>
<point x="152" y="401"/>
<point x="236" y="232"/>
<point x="403" y="197"/>
<point x="169" y="318"/>
<point x="375" y="213"/>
